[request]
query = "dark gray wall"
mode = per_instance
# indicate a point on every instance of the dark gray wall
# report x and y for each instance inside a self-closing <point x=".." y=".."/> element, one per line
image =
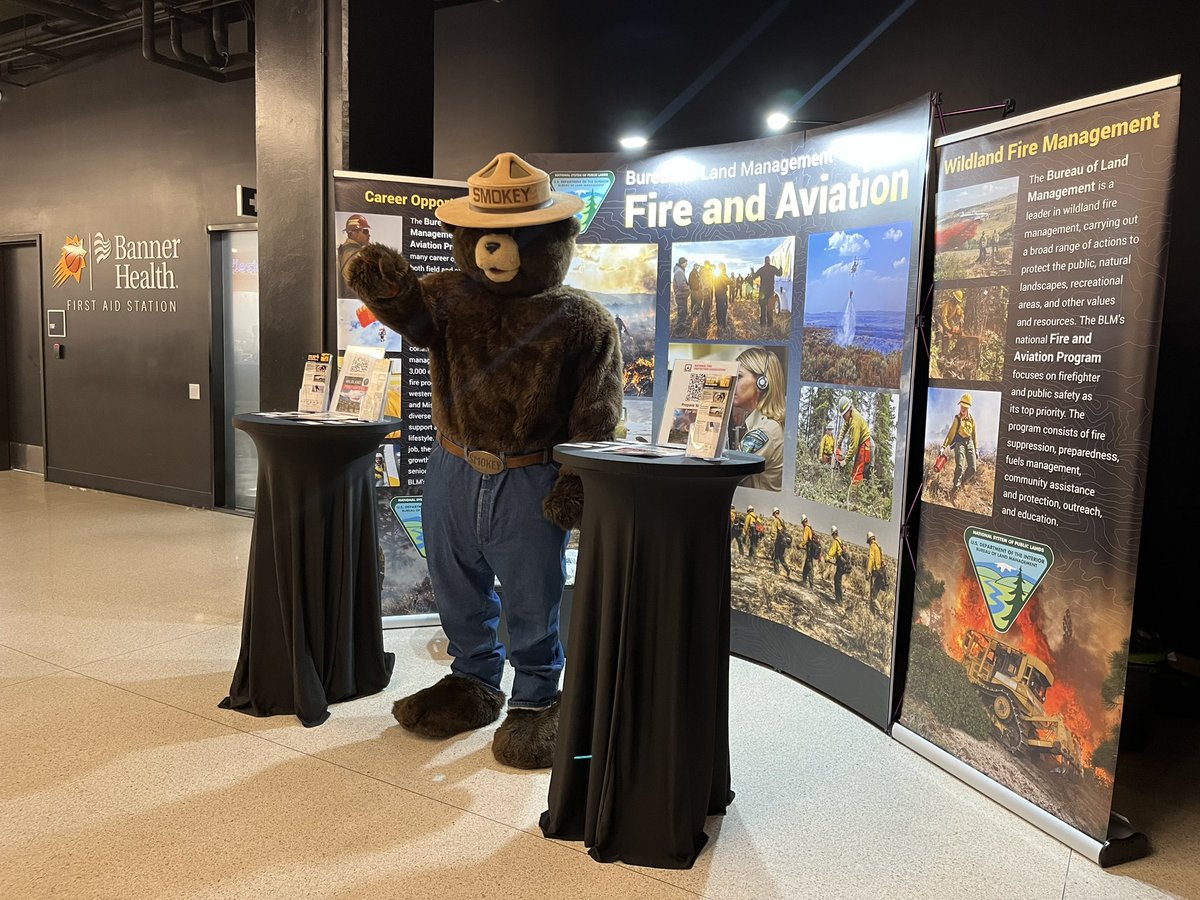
<point x="124" y="146"/>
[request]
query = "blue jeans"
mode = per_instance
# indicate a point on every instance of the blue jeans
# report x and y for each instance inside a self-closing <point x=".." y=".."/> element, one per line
<point x="480" y="527"/>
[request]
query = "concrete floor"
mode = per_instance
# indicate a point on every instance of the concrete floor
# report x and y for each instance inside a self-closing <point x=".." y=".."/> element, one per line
<point x="120" y="777"/>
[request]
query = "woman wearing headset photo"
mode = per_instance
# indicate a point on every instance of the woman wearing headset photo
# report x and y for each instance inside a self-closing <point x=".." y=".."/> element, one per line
<point x="759" y="400"/>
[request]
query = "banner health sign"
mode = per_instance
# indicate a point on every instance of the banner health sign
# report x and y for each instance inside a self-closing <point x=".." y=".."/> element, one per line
<point x="1050" y="248"/>
<point x="401" y="213"/>
<point x="799" y="256"/>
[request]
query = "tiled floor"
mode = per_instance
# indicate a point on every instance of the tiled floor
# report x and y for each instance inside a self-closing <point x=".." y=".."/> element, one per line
<point x="120" y="777"/>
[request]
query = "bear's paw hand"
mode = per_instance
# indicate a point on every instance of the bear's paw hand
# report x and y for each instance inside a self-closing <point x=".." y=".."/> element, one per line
<point x="377" y="272"/>
<point x="564" y="504"/>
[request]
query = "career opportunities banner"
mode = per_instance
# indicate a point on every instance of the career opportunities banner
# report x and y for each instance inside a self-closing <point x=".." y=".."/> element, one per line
<point x="1050" y="252"/>
<point x="797" y="256"/>
<point x="401" y="213"/>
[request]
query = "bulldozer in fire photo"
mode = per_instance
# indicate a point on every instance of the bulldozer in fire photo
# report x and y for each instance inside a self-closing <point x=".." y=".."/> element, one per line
<point x="1012" y="686"/>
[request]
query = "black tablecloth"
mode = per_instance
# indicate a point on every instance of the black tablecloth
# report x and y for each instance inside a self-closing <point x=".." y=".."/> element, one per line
<point x="312" y="632"/>
<point x="643" y="741"/>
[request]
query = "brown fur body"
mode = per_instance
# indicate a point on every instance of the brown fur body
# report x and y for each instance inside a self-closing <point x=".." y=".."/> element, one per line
<point x="516" y="367"/>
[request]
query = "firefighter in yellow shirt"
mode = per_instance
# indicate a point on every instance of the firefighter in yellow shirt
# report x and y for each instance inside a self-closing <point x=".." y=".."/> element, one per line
<point x="808" y="546"/>
<point x="826" y="449"/>
<point x="856" y="437"/>
<point x="876" y="574"/>
<point x="961" y="440"/>
<point x="753" y="530"/>
<point x="836" y="556"/>
<point x="953" y="317"/>
<point x="782" y="540"/>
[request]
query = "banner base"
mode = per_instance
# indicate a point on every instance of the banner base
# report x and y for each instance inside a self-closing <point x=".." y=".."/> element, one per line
<point x="1123" y="844"/>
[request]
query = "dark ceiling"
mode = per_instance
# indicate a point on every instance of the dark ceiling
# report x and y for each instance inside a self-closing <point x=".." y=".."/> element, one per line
<point x="42" y="38"/>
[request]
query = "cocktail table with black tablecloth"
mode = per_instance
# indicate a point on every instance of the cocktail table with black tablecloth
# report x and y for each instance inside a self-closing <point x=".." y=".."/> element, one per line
<point x="312" y="633"/>
<point x="643" y="742"/>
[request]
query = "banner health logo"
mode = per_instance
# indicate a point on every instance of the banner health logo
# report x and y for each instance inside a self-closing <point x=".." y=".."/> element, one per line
<point x="101" y="247"/>
<point x="1009" y="570"/>
<point x="71" y="261"/>
<point x="590" y="187"/>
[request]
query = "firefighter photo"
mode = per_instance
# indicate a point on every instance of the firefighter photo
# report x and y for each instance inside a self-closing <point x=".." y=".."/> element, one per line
<point x="854" y="444"/>
<point x="876" y="573"/>
<point x="825" y="451"/>
<point x="953" y="317"/>
<point x="752" y="531"/>
<point x="837" y="557"/>
<point x="808" y="546"/>
<point x="962" y="441"/>
<point x="782" y="540"/>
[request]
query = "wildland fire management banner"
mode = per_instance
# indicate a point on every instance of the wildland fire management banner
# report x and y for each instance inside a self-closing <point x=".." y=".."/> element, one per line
<point x="798" y="256"/>
<point x="1051" y="243"/>
<point x="401" y="213"/>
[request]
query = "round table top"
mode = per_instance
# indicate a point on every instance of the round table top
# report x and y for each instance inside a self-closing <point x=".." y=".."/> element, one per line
<point x="733" y="464"/>
<point x="258" y="419"/>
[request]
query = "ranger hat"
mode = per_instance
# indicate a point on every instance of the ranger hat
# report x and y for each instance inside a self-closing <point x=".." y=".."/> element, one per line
<point x="506" y="193"/>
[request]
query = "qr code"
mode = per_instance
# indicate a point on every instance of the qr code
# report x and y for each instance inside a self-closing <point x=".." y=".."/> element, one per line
<point x="695" y="388"/>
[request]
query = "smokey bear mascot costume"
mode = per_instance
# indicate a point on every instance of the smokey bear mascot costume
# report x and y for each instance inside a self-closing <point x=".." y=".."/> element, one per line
<point x="519" y="363"/>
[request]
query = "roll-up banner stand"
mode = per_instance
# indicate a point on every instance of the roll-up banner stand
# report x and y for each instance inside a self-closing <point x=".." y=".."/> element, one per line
<point x="401" y="213"/>
<point x="1051" y="243"/>
<point x="797" y="255"/>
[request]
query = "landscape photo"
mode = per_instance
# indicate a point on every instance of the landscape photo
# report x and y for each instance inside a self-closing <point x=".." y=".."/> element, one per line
<point x="855" y="300"/>
<point x="974" y="231"/>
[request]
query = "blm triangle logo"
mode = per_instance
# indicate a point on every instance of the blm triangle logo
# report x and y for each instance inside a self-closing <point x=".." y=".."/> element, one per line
<point x="1009" y="570"/>
<point x="590" y="187"/>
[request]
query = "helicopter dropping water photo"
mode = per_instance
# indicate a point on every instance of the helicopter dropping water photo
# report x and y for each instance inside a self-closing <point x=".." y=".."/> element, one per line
<point x="855" y="297"/>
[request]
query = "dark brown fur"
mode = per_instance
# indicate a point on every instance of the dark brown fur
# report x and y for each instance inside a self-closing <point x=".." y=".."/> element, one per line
<point x="525" y="740"/>
<point x="453" y="705"/>
<point x="515" y="367"/>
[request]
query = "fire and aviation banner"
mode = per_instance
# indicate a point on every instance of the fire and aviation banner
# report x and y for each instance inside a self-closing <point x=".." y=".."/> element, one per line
<point x="1051" y="236"/>
<point x="798" y="256"/>
<point x="401" y="213"/>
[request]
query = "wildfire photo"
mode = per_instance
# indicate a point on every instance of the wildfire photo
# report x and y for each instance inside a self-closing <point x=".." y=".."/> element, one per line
<point x="1025" y="707"/>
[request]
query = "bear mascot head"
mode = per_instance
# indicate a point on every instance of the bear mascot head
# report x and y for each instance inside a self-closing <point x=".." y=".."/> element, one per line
<point x="518" y="362"/>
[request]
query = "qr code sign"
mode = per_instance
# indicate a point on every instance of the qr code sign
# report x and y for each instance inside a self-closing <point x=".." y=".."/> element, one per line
<point x="695" y="388"/>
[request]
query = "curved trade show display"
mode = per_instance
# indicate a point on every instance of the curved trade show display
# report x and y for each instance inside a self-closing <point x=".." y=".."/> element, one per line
<point x="311" y="632"/>
<point x="643" y="742"/>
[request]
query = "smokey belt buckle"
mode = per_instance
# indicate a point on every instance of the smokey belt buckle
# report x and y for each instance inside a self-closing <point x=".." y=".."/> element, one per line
<point x="485" y="463"/>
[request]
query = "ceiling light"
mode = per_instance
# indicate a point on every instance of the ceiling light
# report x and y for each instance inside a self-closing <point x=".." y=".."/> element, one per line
<point x="633" y="142"/>
<point x="777" y="121"/>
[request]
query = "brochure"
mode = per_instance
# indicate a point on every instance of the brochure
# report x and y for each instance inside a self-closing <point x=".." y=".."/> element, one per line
<point x="699" y="403"/>
<point x="314" y="388"/>
<point x="362" y="383"/>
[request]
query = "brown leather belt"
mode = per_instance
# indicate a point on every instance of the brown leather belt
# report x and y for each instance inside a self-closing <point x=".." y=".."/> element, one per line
<point x="491" y="463"/>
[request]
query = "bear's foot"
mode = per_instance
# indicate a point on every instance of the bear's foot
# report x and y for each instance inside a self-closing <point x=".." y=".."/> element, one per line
<point x="453" y="705"/>
<point x="526" y="738"/>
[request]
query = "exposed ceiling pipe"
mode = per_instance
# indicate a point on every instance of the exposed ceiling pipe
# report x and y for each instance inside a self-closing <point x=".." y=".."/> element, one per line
<point x="209" y="57"/>
<point x="191" y="62"/>
<point x="91" y="15"/>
